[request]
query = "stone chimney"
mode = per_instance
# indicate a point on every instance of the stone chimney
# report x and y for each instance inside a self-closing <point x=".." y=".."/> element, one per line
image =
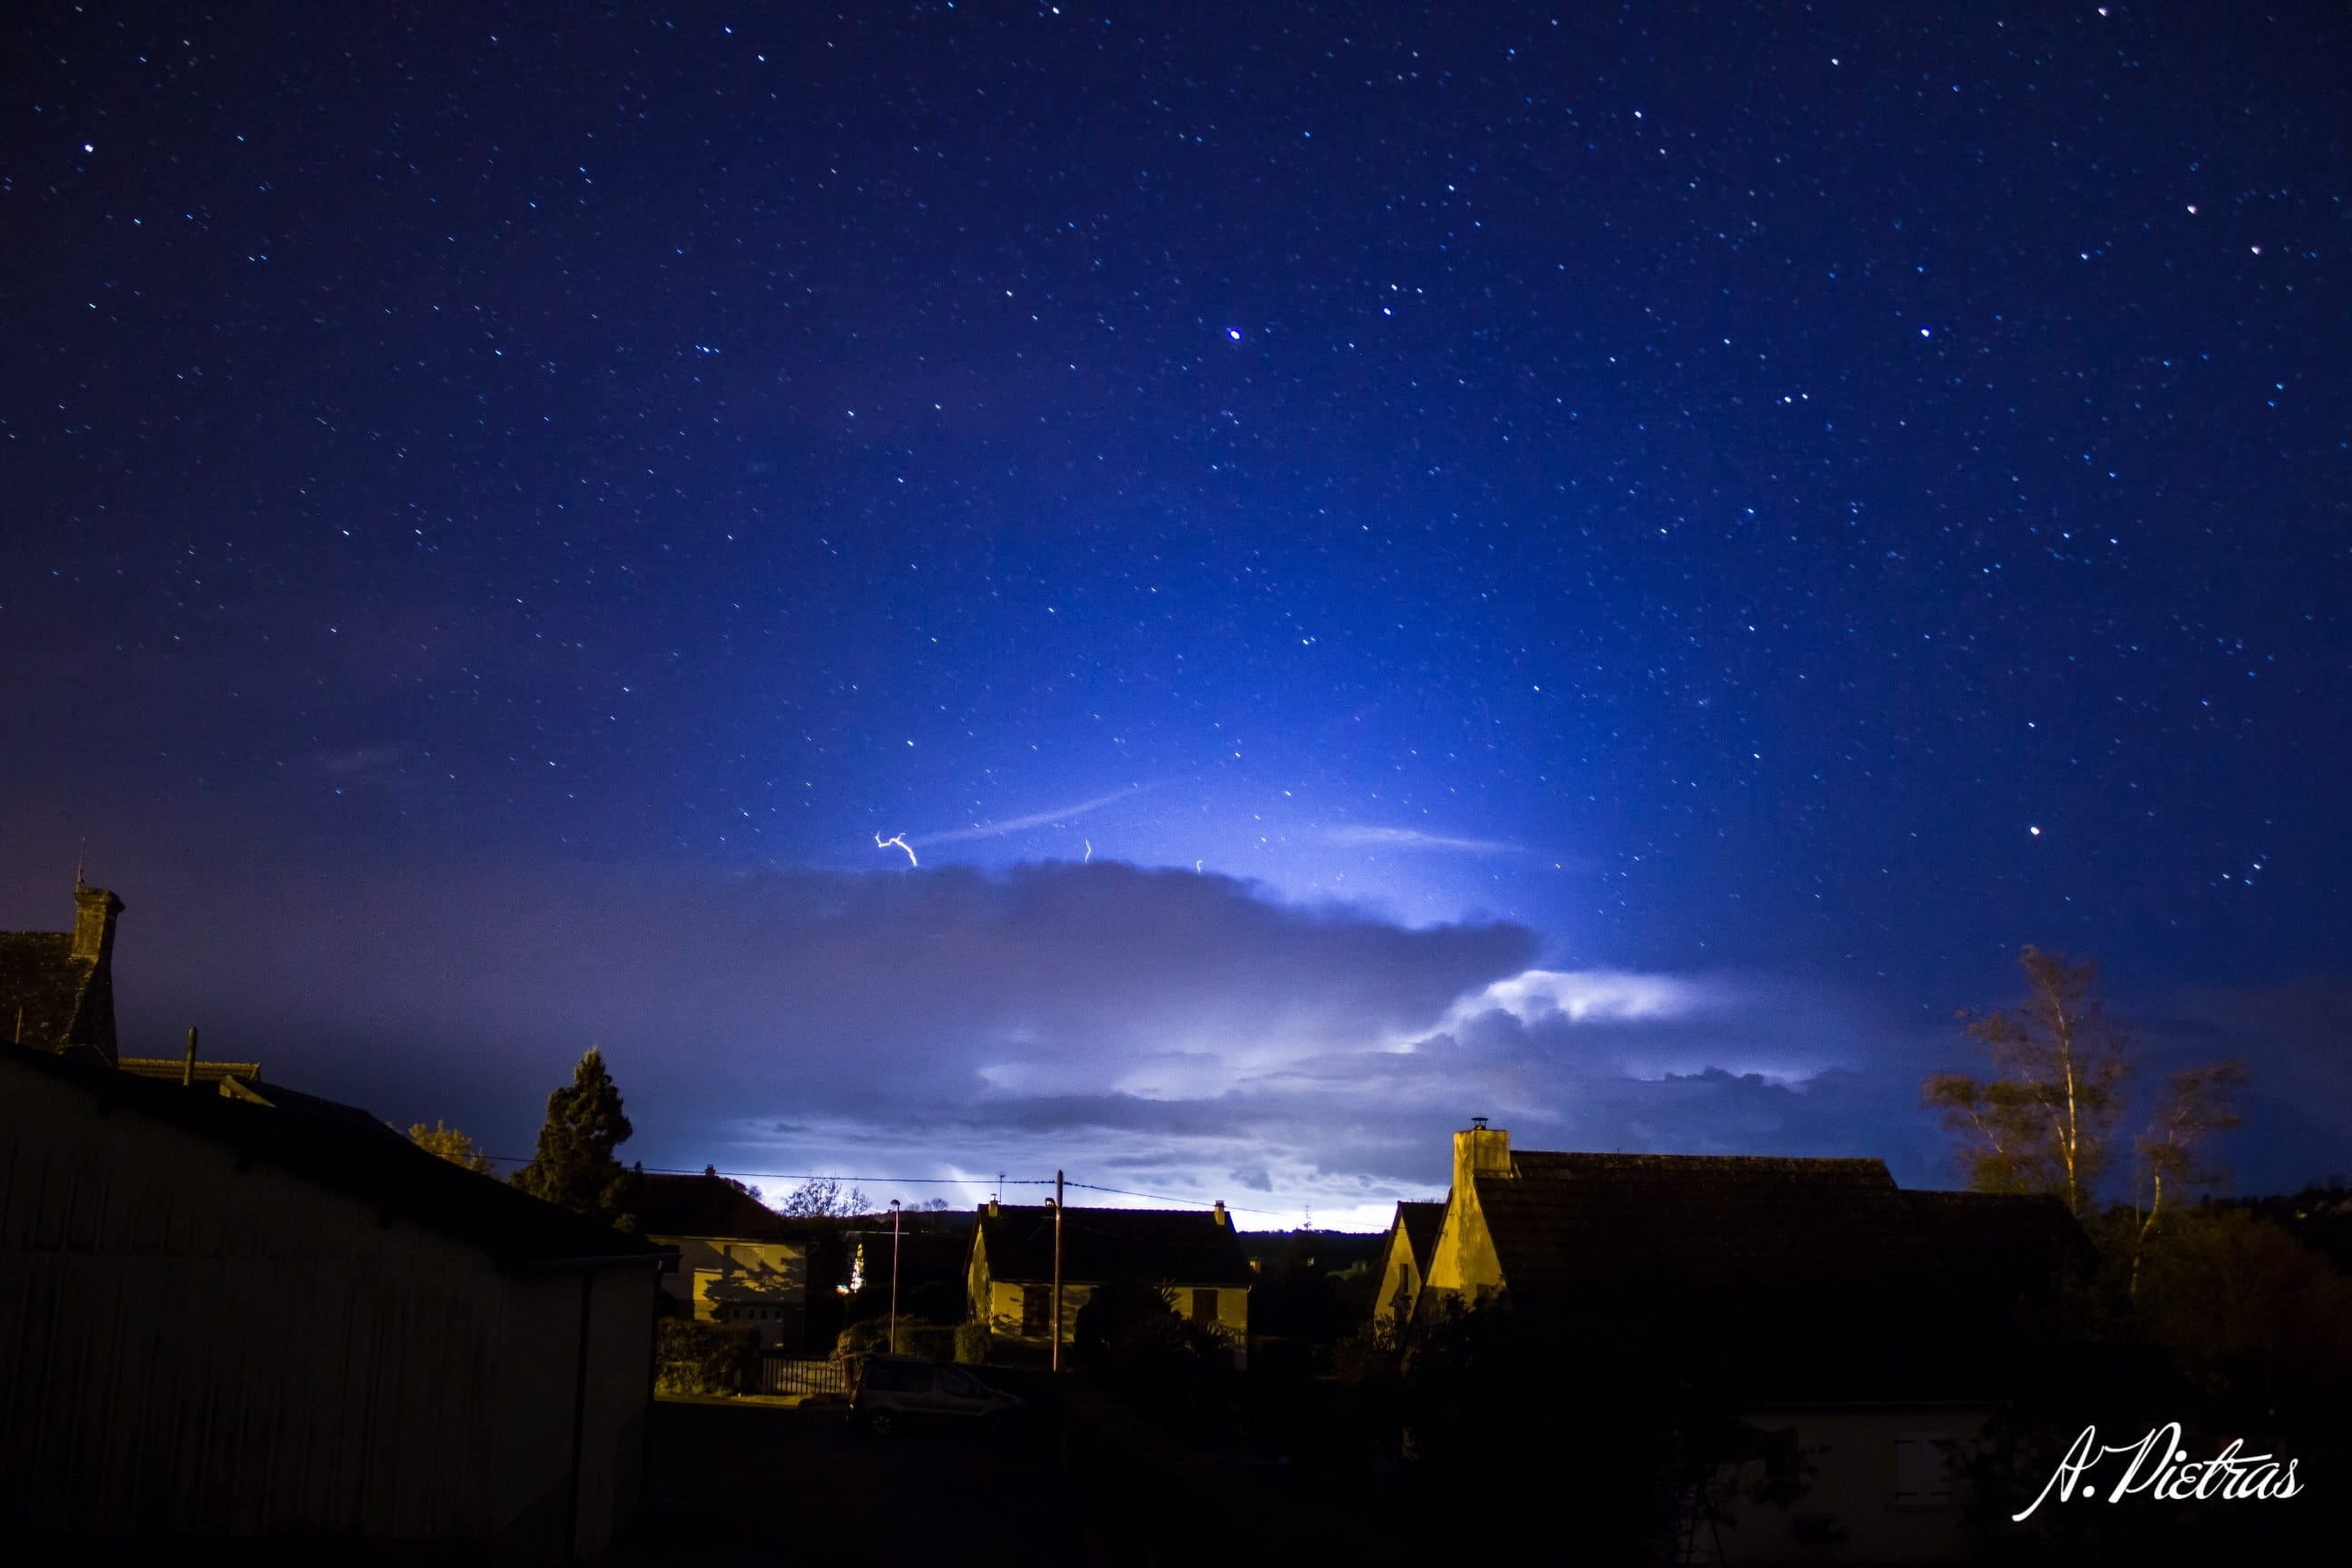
<point x="1481" y="1149"/>
<point x="94" y="912"/>
<point x="1222" y="1220"/>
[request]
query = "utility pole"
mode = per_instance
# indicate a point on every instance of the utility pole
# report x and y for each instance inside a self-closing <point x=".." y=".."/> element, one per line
<point x="1057" y="1271"/>
<point x="188" y="1067"/>
<point x="893" y="1277"/>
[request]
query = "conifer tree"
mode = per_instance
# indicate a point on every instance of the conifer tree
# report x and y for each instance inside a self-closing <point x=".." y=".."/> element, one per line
<point x="574" y="1165"/>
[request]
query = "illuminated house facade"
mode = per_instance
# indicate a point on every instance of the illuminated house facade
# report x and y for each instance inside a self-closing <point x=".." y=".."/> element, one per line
<point x="1405" y="1258"/>
<point x="1861" y="1321"/>
<point x="739" y="1261"/>
<point x="1195" y="1257"/>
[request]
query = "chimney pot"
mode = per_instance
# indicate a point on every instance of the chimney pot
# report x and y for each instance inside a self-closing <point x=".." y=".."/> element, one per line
<point x="1221" y="1213"/>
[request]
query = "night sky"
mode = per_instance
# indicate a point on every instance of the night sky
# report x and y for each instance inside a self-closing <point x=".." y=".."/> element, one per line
<point x="1604" y="569"/>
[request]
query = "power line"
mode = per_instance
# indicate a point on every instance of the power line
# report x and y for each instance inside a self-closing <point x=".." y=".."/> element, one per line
<point x="1164" y="1198"/>
<point x="809" y="1176"/>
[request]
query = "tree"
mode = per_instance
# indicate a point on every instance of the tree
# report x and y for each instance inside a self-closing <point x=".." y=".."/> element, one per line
<point x="450" y="1145"/>
<point x="2251" y="1312"/>
<point x="574" y="1165"/>
<point x="2172" y="1151"/>
<point x="821" y="1197"/>
<point x="2043" y="1122"/>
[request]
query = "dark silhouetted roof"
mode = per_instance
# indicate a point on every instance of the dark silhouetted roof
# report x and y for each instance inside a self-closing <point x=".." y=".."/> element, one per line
<point x="1421" y="1223"/>
<point x="279" y="1098"/>
<point x="1797" y="1278"/>
<point x="705" y="1206"/>
<point x="1564" y="1217"/>
<point x="1176" y="1247"/>
<point x="320" y="1140"/>
<point x="2007" y="1249"/>
<point x="40" y="977"/>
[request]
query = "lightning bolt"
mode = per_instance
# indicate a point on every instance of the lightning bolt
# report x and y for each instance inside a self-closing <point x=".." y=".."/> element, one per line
<point x="1090" y="850"/>
<point x="897" y="841"/>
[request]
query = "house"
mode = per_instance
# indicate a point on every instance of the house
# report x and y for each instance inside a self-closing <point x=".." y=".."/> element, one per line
<point x="1195" y="1257"/>
<point x="1404" y="1259"/>
<point x="739" y="1261"/>
<point x="924" y="1257"/>
<point x="57" y="988"/>
<point x="1868" y="1327"/>
<point x="56" y="994"/>
<point x="261" y="1314"/>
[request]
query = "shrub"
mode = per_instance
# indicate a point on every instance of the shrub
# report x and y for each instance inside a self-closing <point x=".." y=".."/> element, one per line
<point x="972" y="1342"/>
<point x="693" y="1357"/>
<point x="871" y="1336"/>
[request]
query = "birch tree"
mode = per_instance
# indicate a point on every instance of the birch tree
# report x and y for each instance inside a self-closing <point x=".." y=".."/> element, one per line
<point x="2044" y="1121"/>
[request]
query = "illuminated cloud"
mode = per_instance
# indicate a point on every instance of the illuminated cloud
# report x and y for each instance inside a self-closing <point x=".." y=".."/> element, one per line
<point x="1596" y="995"/>
<point x="1413" y="838"/>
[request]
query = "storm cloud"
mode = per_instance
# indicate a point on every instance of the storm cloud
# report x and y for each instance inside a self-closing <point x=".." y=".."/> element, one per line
<point x="1149" y="1030"/>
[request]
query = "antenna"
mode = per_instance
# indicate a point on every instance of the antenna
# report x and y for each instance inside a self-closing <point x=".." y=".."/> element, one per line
<point x="81" y="859"/>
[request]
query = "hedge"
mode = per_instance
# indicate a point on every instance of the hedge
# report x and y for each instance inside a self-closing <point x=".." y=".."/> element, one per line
<point x="693" y="1357"/>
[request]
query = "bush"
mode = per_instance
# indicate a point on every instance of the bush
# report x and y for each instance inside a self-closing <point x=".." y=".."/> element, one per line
<point x="972" y="1342"/>
<point x="1130" y="1338"/>
<point x="693" y="1357"/>
<point x="871" y="1336"/>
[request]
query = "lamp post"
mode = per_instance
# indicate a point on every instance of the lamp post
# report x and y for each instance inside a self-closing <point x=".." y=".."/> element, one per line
<point x="1056" y="1362"/>
<point x="893" y="1277"/>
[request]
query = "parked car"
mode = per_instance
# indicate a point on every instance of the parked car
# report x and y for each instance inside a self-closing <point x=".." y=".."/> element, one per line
<point x="894" y="1390"/>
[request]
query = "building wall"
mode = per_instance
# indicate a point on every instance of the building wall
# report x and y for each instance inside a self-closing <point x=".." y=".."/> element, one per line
<point x="1005" y="1304"/>
<point x="780" y="1265"/>
<point x="1464" y="1266"/>
<point x="1397" y="1273"/>
<point x="193" y="1346"/>
<point x="1853" y="1509"/>
<point x="1233" y="1308"/>
<point x="776" y="1273"/>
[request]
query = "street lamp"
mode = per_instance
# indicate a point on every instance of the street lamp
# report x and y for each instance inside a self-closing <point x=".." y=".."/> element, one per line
<point x="893" y="1277"/>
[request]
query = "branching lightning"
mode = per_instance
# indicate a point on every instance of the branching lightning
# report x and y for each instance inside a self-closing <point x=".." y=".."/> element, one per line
<point x="897" y="841"/>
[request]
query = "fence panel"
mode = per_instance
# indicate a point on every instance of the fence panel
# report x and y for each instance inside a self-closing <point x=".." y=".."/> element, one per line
<point x="790" y="1375"/>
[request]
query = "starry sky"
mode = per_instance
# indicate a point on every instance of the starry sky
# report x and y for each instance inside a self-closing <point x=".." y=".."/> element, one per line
<point x="1194" y="597"/>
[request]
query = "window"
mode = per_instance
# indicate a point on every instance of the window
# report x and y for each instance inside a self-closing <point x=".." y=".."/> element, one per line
<point x="1204" y="1306"/>
<point x="1922" y="1476"/>
<point x="897" y="1377"/>
<point x="1036" y="1309"/>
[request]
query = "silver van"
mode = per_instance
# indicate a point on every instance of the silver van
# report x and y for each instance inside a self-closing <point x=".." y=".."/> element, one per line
<point x="890" y="1391"/>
